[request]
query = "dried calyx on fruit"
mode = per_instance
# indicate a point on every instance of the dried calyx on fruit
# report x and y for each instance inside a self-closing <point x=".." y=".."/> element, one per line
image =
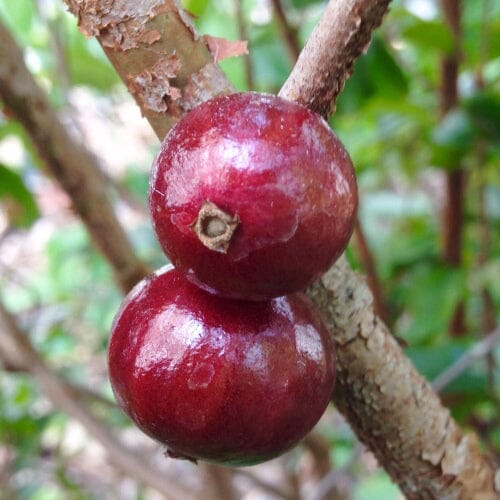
<point x="227" y="381"/>
<point x="252" y="196"/>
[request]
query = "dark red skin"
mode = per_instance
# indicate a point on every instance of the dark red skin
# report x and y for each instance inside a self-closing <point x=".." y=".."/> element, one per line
<point x="231" y="382"/>
<point x="280" y="169"/>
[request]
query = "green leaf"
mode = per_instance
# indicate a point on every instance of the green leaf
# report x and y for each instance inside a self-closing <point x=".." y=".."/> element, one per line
<point x="430" y="294"/>
<point x="195" y="7"/>
<point x="88" y="68"/>
<point x="386" y="75"/>
<point x="378" y="485"/>
<point x="22" y="209"/>
<point x="483" y="109"/>
<point x="376" y="73"/>
<point x="358" y="89"/>
<point x="304" y="3"/>
<point x="270" y="62"/>
<point x="452" y="139"/>
<point x="19" y="16"/>
<point x="429" y="35"/>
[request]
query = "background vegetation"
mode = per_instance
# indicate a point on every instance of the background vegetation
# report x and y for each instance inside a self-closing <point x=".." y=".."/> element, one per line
<point x="439" y="290"/>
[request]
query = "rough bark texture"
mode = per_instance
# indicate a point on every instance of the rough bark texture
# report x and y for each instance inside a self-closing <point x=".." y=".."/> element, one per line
<point x="330" y="52"/>
<point x="155" y="50"/>
<point x="392" y="409"/>
<point x="66" y="160"/>
<point x="388" y="404"/>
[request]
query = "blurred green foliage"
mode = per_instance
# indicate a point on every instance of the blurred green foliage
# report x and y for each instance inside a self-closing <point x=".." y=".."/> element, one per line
<point x="388" y="116"/>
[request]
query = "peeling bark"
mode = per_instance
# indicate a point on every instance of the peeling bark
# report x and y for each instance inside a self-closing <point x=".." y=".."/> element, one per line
<point x="139" y="38"/>
<point x="67" y="161"/>
<point x="152" y="86"/>
<point x="221" y="48"/>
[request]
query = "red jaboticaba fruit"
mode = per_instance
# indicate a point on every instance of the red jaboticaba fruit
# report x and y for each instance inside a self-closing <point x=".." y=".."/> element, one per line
<point x="252" y="196"/>
<point x="231" y="382"/>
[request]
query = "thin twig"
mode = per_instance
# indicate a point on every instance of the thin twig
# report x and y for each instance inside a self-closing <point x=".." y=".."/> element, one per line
<point x="329" y="482"/>
<point x="218" y="482"/>
<point x="319" y="448"/>
<point x="243" y="35"/>
<point x="476" y="352"/>
<point x="453" y="210"/>
<point x="368" y="262"/>
<point x="289" y="35"/>
<point x="264" y="485"/>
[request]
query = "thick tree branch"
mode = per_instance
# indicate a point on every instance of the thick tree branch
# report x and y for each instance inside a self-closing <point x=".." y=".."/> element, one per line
<point x="388" y="404"/>
<point x="15" y="342"/>
<point x="67" y="161"/>
<point x="167" y="75"/>
<point x="392" y="409"/>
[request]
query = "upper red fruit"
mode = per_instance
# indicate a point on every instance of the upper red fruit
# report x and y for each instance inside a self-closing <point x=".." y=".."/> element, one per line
<point x="252" y="196"/>
<point x="227" y="381"/>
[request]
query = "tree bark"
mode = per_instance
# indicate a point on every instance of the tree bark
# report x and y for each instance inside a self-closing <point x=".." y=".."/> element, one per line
<point x="389" y="405"/>
<point x="330" y="53"/>
<point x="67" y="161"/>
<point x="154" y="48"/>
<point x="392" y="409"/>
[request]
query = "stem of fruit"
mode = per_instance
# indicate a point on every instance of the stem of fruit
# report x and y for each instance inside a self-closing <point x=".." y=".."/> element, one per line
<point x="214" y="227"/>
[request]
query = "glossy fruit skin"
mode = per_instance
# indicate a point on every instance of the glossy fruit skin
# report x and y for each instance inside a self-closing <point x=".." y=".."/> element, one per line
<point x="277" y="167"/>
<point x="231" y="382"/>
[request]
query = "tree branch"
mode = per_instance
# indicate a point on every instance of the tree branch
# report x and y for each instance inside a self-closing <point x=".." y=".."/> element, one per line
<point x="67" y="161"/>
<point x="342" y="34"/>
<point x="452" y="225"/>
<point x="390" y="407"/>
<point x="287" y="32"/>
<point x="242" y="34"/>
<point x="167" y="75"/>
<point x="15" y="342"/>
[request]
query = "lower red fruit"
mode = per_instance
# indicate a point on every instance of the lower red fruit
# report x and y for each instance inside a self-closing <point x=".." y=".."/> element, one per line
<point x="230" y="382"/>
